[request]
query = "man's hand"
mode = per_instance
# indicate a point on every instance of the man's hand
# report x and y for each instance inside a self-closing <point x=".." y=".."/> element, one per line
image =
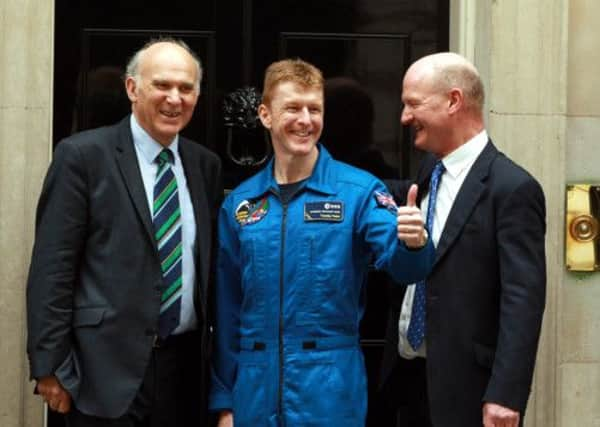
<point x="411" y="229"/>
<point x="57" y="398"/>
<point x="225" y="419"/>
<point x="495" y="415"/>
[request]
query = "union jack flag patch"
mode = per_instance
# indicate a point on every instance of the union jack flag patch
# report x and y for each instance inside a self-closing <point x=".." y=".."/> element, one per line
<point x="386" y="200"/>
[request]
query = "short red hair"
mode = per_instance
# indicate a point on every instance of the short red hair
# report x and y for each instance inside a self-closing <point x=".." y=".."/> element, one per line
<point x="291" y="70"/>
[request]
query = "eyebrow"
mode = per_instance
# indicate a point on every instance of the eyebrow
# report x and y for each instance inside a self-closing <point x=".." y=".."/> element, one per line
<point x="169" y="82"/>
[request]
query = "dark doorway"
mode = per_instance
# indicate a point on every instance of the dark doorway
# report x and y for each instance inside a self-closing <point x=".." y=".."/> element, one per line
<point x="362" y="46"/>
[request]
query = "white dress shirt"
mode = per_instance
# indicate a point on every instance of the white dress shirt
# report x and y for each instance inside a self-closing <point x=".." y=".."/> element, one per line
<point x="146" y="149"/>
<point x="457" y="165"/>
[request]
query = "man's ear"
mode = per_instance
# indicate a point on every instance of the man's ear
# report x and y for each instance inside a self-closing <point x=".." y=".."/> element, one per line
<point x="264" y="115"/>
<point x="455" y="100"/>
<point x="131" y="87"/>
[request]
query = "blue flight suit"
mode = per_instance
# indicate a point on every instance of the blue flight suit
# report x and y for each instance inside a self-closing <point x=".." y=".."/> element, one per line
<point x="290" y="295"/>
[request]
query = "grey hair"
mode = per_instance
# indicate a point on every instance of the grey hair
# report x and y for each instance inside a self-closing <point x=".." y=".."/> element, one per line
<point x="132" y="69"/>
<point x="467" y="79"/>
<point x="454" y="71"/>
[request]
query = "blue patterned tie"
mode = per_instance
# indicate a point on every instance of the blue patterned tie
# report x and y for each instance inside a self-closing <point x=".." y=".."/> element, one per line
<point x="416" y="328"/>
<point x="166" y="218"/>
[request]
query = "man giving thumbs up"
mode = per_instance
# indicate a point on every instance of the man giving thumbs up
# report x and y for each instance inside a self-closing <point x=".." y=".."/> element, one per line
<point x="411" y="228"/>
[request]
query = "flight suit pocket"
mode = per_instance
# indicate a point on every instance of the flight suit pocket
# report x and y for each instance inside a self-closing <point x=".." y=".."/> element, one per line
<point x="323" y="392"/>
<point x="331" y="299"/>
<point x="250" y="391"/>
<point x="253" y="260"/>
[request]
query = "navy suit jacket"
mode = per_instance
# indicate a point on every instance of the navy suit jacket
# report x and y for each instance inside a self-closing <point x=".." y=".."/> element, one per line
<point x="485" y="294"/>
<point x="93" y="293"/>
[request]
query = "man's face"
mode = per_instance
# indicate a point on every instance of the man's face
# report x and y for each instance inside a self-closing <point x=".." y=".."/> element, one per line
<point x="294" y="117"/>
<point x="165" y="93"/>
<point x="425" y="110"/>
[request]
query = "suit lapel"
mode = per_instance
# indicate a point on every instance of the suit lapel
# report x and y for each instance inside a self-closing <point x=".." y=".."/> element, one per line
<point x="128" y="165"/>
<point x="469" y="194"/>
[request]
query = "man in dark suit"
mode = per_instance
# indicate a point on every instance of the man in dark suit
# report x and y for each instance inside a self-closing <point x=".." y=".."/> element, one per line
<point x="117" y="288"/>
<point x="461" y="347"/>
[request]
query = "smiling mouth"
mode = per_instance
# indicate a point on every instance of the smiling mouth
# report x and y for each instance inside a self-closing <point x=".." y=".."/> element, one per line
<point x="171" y="114"/>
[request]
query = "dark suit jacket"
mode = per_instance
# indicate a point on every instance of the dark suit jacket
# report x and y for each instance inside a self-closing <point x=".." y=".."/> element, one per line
<point x="93" y="290"/>
<point x="485" y="294"/>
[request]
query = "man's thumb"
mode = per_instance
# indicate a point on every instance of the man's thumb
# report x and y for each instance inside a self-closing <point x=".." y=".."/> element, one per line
<point x="411" y="198"/>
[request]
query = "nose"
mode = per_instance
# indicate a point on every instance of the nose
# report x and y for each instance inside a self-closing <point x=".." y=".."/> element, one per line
<point x="406" y="116"/>
<point x="304" y="115"/>
<point x="173" y="96"/>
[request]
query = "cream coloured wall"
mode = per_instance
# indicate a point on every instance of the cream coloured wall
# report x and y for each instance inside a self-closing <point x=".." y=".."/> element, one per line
<point x="26" y="33"/>
<point x="578" y="386"/>
<point x="527" y="107"/>
<point x="538" y="59"/>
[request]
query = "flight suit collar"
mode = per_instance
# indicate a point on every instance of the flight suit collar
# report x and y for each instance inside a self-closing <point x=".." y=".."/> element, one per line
<point x="320" y="180"/>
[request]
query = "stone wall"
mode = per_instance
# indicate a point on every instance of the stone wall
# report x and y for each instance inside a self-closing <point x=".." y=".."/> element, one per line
<point x="26" y="55"/>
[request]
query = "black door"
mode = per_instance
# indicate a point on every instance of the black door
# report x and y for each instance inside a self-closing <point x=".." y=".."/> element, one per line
<point x="363" y="48"/>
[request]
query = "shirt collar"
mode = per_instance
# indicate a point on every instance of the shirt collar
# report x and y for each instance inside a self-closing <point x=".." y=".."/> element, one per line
<point x="464" y="156"/>
<point x="147" y="145"/>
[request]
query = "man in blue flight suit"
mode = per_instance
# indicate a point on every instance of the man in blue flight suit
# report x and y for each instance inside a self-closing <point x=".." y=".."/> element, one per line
<point x="295" y="243"/>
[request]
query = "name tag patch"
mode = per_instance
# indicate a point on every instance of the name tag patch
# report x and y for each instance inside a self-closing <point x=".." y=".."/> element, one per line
<point x="324" y="211"/>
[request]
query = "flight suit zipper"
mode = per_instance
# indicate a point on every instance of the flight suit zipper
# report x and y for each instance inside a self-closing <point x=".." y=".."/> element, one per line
<point x="281" y="319"/>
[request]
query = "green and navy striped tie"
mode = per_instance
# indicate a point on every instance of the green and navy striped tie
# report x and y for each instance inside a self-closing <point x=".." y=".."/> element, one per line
<point x="166" y="218"/>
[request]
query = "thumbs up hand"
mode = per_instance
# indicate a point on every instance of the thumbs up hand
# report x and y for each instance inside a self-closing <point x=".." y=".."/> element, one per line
<point x="411" y="227"/>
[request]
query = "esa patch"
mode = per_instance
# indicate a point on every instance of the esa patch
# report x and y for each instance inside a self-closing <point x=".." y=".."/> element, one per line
<point x="324" y="211"/>
<point x="386" y="200"/>
<point x="249" y="212"/>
